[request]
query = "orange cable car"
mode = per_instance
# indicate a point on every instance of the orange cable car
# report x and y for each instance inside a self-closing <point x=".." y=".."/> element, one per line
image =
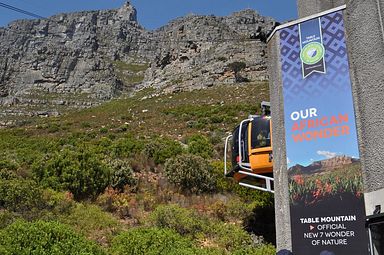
<point x="251" y="152"/>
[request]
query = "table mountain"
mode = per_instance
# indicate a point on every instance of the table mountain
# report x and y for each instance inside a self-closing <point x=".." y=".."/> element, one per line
<point x="81" y="59"/>
<point x="323" y="165"/>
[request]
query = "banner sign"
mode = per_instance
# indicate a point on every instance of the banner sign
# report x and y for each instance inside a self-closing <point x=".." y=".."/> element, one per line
<point x="325" y="182"/>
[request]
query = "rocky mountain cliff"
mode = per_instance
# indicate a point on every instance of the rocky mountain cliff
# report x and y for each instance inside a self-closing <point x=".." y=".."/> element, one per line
<point x="81" y="59"/>
<point x="323" y="165"/>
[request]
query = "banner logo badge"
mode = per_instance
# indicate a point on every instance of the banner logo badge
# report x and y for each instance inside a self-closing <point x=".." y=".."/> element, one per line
<point x="312" y="52"/>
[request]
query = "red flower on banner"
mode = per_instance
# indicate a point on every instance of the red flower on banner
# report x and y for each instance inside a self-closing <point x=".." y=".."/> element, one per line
<point x="328" y="188"/>
<point x="319" y="184"/>
<point x="298" y="179"/>
<point x="316" y="194"/>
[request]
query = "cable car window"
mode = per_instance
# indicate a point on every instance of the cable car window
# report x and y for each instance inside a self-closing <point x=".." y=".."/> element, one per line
<point x="243" y="142"/>
<point x="235" y="146"/>
<point x="244" y="135"/>
<point x="260" y="133"/>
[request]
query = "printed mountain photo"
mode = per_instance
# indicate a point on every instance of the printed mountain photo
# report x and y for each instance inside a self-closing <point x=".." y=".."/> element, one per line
<point x="325" y="179"/>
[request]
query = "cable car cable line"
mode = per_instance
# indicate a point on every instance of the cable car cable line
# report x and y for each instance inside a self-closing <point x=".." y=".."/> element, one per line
<point x="13" y="8"/>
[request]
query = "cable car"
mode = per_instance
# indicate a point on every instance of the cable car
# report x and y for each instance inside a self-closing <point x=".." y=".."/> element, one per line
<point x="251" y="152"/>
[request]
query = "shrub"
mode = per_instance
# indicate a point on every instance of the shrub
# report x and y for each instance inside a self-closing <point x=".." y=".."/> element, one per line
<point x="200" y="145"/>
<point x="191" y="173"/>
<point x="264" y="249"/>
<point x="6" y="218"/>
<point x="91" y="221"/>
<point x="116" y="202"/>
<point x="181" y="220"/>
<point x="44" y="238"/>
<point x="53" y="128"/>
<point x="58" y="202"/>
<point x="151" y="241"/>
<point x="161" y="149"/>
<point x="8" y="165"/>
<point x="229" y="236"/>
<point x="81" y="172"/>
<point x="236" y="67"/>
<point x="24" y="198"/>
<point x="103" y="130"/>
<point x="122" y="175"/>
<point x="103" y="145"/>
<point x="85" y="124"/>
<point x="21" y="196"/>
<point x="6" y="174"/>
<point x="262" y="223"/>
<point x="216" y="138"/>
<point x="233" y="210"/>
<point x="126" y="147"/>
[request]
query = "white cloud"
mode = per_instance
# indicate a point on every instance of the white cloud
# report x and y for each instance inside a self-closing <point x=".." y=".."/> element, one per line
<point x="327" y="154"/>
<point x="288" y="161"/>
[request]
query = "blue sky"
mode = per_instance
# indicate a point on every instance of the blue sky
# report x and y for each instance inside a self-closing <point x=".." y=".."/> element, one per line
<point x="153" y="13"/>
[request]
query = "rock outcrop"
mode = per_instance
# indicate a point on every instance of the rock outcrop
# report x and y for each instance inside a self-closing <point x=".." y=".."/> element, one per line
<point x="67" y="53"/>
<point x="81" y="59"/>
<point x="195" y="51"/>
<point x="323" y="165"/>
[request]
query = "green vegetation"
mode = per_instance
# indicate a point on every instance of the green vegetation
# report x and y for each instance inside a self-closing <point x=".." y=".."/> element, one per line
<point x="191" y="173"/>
<point x="223" y="236"/>
<point x="131" y="66"/>
<point x="44" y="238"/>
<point x="140" y="175"/>
<point x="152" y="241"/>
<point x="182" y="220"/>
<point x="130" y="73"/>
<point x="160" y="149"/>
<point x="81" y="172"/>
<point x="91" y="221"/>
<point x="122" y="175"/>
<point x="200" y="145"/>
<point x="23" y="197"/>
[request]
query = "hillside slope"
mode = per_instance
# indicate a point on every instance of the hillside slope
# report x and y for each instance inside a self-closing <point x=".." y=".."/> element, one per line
<point x="131" y="169"/>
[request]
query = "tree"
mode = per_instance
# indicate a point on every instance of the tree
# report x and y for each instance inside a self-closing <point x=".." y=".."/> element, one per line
<point x="236" y="67"/>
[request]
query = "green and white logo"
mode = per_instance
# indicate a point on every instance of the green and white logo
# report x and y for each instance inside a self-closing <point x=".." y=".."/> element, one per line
<point x="312" y="53"/>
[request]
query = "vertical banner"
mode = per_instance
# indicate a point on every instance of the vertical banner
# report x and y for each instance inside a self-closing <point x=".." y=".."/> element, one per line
<point x="325" y="182"/>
